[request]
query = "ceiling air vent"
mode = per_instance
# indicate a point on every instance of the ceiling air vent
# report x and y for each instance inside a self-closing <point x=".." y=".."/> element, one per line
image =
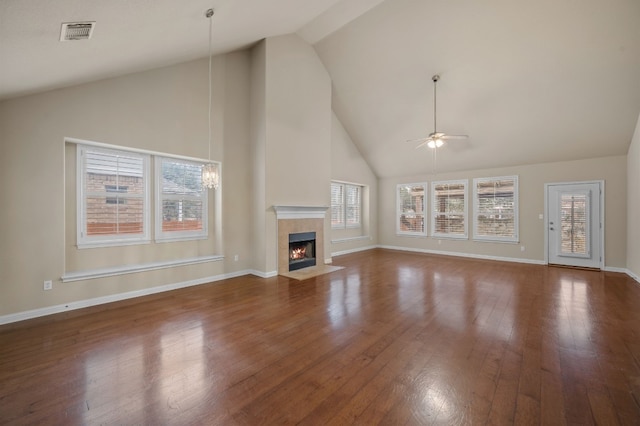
<point x="77" y="30"/>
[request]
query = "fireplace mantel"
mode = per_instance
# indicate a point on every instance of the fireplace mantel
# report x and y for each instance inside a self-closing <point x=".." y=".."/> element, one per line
<point x="300" y="212"/>
<point x="294" y="219"/>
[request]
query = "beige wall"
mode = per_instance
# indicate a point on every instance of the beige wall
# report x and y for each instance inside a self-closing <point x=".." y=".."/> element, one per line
<point x="531" y="180"/>
<point x="633" y="204"/>
<point x="297" y="133"/>
<point x="258" y="147"/>
<point x="161" y="110"/>
<point x="348" y="165"/>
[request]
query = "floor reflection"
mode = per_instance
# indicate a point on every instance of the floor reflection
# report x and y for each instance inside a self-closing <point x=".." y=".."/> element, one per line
<point x="111" y="375"/>
<point x="344" y="304"/>
<point x="184" y="379"/>
<point x="575" y="324"/>
<point x="411" y="284"/>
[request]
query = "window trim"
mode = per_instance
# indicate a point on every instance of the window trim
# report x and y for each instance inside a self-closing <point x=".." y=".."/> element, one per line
<point x="166" y="236"/>
<point x="344" y="224"/>
<point x="425" y="210"/>
<point x="84" y="241"/>
<point x="516" y="227"/>
<point x="433" y="213"/>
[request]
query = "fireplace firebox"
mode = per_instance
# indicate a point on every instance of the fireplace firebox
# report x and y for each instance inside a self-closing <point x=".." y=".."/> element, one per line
<point x="302" y="250"/>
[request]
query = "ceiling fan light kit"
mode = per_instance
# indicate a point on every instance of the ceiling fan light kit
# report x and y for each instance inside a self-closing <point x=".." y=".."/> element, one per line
<point x="436" y="139"/>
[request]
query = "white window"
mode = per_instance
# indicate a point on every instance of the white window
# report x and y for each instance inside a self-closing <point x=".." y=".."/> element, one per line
<point x="181" y="201"/>
<point x="449" y="209"/>
<point x="410" y="209"/>
<point x="113" y="197"/>
<point x="496" y="209"/>
<point x="346" y="205"/>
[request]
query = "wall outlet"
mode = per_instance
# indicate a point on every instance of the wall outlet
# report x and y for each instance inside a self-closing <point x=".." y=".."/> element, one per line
<point x="540" y="216"/>
<point x="48" y="285"/>
<point x="236" y="257"/>
<point x="521" y="248"/>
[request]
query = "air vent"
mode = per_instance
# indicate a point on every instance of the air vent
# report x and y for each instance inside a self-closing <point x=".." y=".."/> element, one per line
<point x="77" y="30"/>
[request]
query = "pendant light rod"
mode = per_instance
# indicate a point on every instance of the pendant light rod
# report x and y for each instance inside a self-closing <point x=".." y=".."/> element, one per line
<point x="435" y="79"/>
<point x="209" y="14"/>
<point x="210" y="171"/>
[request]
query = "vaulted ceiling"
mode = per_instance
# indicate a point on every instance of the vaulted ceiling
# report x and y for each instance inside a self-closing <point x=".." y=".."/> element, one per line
<point x="529" y="82"/>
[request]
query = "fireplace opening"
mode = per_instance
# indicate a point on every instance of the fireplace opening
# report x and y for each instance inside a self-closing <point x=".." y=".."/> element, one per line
<point x="302" y="250"/>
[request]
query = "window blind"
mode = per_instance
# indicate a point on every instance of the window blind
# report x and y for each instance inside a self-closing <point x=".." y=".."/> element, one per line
<point x="182" y="202"/>
<point x="574" y="224"/>
<point x="496" y="208"/>
<point x="411" y="208"/>
<point x="449" y="210"/>
<point x="113" y="197"/>
<point x="337" y="205"/>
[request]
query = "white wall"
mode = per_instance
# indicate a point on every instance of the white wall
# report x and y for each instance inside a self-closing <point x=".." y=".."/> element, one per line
<point x="633" y="205"/>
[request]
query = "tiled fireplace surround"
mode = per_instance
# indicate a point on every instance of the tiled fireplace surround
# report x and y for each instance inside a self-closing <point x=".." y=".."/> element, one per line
<point x="294" y="219"/>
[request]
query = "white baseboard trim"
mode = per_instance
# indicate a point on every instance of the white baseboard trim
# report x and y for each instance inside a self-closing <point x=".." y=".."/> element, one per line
<point x="467" y="255"/>
<point x="615" y="269"/>
<point x="49" y="310"/>
<point x="623" y="271"/>
<point x="632" y="275"/>
<point x="261" y="274"/>
<point x="130" y="269"/>
<point x="354" y="250"/>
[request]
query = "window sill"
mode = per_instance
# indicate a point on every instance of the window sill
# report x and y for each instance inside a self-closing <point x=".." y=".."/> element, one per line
<point x="344" y="240"/>
<point x="130" y="269"/>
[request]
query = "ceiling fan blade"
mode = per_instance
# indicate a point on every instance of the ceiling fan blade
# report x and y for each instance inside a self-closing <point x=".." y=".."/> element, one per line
<point x="421" y="144"/>
<point x="426" y="139"/>
<point x="445" y="137"/>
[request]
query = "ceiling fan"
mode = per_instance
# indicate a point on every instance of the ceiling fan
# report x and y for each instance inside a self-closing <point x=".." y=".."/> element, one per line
<point x="436" y="139"/>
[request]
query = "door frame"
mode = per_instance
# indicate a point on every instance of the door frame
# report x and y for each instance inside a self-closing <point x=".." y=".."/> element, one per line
<point x="602" y="217"/>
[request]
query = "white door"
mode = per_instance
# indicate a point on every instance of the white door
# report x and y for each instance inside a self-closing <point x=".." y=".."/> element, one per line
<point x="574" y="226"/>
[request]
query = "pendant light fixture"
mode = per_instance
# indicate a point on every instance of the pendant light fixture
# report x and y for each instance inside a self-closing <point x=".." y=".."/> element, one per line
<point x="210" y="171"/>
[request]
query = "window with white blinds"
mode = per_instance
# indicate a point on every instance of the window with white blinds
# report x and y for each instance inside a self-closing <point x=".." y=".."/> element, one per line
<point x="113" y="197"/>
<point x="346" y="205"/>
<point x="496" y="209"/>
<point x="181" y="201"/>
<point x="449" y="209"/>
<point x="574" y="224"/>
<point x="410" y="209"/>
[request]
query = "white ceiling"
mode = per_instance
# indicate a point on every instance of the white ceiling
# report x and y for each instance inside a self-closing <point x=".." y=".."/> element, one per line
<point x="529" y="82"/>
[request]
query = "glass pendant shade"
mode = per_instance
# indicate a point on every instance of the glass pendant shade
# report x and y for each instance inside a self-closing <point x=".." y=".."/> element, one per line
<point x="210" y="176"/>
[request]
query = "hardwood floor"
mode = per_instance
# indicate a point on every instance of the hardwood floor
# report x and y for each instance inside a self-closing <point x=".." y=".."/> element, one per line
<point x="394" y="338"/>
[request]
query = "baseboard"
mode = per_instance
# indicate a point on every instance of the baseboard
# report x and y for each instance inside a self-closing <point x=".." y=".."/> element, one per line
<point x="615" y="269"/>
<point x="466" y="255"/>
<point x="50" y="310"/>
<point x="261" y="274"/>
<point x="354" y="250"/>
<point x="632" y="275"/>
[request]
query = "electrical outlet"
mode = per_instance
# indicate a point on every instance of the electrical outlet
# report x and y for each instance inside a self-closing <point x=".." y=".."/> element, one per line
<point x="521" y="248"/>
<point x="236" y="257"/>
<point x="48" y="285"/>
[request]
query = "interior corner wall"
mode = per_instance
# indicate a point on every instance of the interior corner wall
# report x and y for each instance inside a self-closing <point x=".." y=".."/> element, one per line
<point x="348" y="165"/>
<point x="297" y="133"/>
<point x="633" y="204"/>
<point x="258" y="128"/>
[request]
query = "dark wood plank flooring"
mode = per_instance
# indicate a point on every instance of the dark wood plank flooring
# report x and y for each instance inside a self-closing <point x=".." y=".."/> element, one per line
<point x="394" y="338"/>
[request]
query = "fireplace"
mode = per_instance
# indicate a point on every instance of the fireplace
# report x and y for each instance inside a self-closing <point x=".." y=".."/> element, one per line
<point x="302" y="250"/>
